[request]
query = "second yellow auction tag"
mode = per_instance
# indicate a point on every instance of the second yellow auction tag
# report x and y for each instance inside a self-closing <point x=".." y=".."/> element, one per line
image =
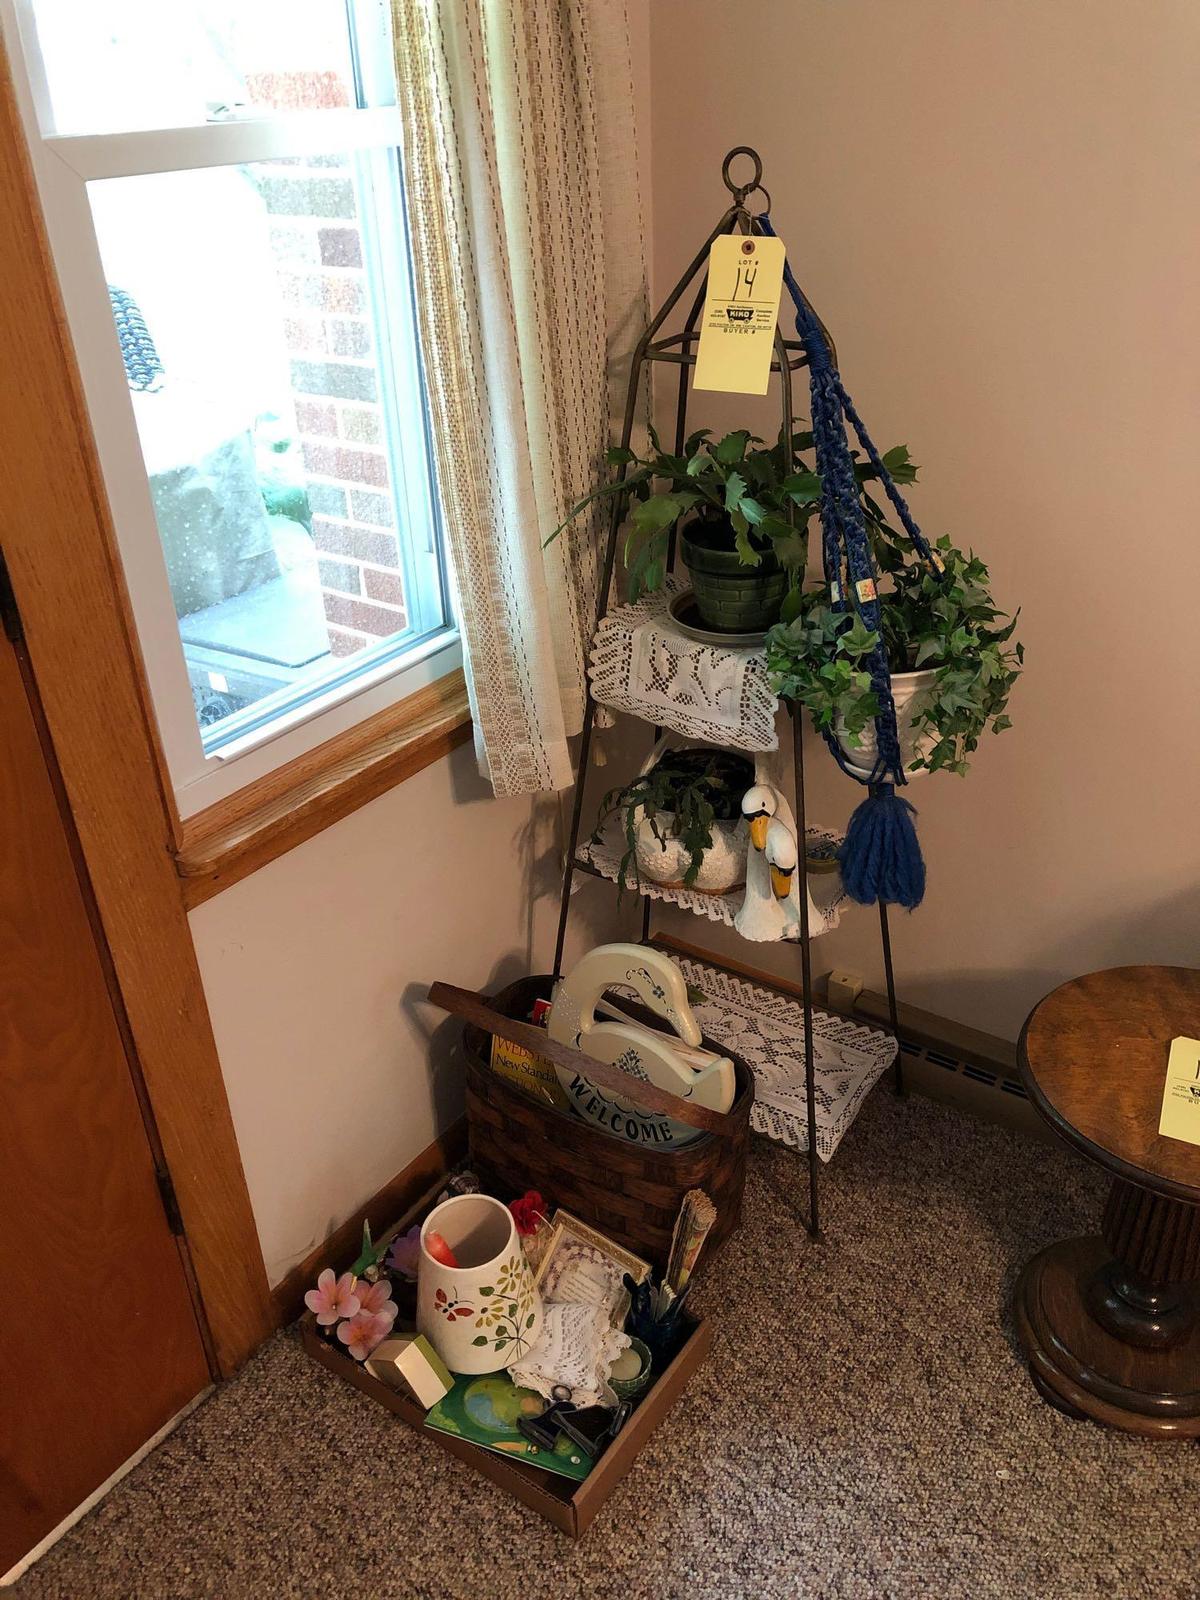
<point x="741" y="306"/>
<point x="1181" y="1097"/>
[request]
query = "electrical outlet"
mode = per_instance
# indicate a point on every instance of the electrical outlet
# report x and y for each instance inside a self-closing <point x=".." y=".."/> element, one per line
<point x="844" y="990"/>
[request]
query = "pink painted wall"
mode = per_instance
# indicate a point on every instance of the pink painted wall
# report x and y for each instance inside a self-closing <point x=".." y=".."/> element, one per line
<point x="995" y="208"/>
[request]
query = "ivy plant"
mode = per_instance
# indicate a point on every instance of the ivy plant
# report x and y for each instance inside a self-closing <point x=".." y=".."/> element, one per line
<point x="945" y="621"/>
<point x="766" y="495"/>
<point x="682" y="795"/>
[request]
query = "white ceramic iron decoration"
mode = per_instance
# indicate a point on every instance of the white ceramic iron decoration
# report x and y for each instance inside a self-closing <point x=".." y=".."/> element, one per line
<point x="658" y="1057"/>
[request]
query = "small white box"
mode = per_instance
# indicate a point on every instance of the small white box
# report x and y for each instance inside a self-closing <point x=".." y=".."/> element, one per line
<point x="410" y="1364"/>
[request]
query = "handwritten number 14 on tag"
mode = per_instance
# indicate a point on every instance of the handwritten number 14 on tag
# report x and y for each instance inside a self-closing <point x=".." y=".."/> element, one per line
<point x="741" y="308"/>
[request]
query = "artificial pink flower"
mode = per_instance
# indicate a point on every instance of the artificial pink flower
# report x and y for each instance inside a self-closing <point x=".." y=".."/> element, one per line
<point x="376" y="1300"/>
<point x="406" y="1252"/>
<point x="333" y="1298"/>
<point x="362" y="1333"/>
<point x="528" y="1211"/>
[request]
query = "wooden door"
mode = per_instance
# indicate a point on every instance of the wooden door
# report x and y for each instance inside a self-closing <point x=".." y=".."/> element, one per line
<point x="99" y="1339"/>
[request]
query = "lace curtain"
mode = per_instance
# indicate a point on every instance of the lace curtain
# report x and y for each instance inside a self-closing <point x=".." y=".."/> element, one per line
<point x="525" y="216"/>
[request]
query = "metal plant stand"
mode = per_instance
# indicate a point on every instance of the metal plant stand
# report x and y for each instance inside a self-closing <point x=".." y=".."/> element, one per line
<point x="679" y="349"/>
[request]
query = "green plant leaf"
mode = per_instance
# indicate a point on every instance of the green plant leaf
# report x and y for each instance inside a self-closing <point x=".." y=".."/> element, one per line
<point x="792" y="602"/>
<point x="627" y="485"/>
<point x="803" y="487"/>
<point x="858" y="639"/>
<point x="660" y="511"/>
<point x="481" y="1340"/>
<point x="747" y="554"/>
<point x="900" y="464"/>
<point x="733" y="446"/>
<point x="646" y="564"/>
<point x="928" y="650"/>
<point x="371" y="1253"/>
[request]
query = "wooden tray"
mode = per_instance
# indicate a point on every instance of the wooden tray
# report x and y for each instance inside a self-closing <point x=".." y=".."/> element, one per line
<point x="568" y="1505"/>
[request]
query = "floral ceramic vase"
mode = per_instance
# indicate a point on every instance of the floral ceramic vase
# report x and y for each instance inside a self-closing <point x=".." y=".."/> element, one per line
<point x="485" y="1313"/>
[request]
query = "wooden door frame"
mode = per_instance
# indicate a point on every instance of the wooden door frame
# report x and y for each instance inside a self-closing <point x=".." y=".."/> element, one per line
<point x="57" y="536"/>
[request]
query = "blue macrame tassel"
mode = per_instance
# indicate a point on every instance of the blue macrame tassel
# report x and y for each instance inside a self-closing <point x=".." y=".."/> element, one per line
<point x="881" y="859"/>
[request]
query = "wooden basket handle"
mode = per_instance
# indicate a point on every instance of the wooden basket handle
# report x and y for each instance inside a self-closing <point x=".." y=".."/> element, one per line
<point x="475" y="1008"/>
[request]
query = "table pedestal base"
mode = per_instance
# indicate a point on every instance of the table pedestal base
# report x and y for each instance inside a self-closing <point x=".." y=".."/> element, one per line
<point x="1109" y="1345"/>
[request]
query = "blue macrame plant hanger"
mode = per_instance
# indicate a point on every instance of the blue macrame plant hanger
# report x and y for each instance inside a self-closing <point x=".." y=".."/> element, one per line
<point x="881" y="857"/>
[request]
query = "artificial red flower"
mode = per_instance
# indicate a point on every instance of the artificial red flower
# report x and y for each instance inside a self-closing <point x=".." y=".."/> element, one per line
<point x="528" y="1211"/>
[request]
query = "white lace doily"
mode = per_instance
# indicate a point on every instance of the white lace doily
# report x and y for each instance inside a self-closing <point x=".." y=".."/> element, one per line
<point x="826" y="896"/>
<point x="642" y="663"/>
<point x="576" y="1350"/>
<point x="767" y="1030"/>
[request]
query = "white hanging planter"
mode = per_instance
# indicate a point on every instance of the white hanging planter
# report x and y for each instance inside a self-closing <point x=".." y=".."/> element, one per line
<point x="912" y="693"/>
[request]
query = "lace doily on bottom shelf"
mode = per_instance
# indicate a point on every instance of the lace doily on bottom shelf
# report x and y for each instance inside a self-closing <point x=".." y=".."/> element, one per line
<point x="825" y="890"/>
<point x="767" y="1029"/>
<point x="642" y="663"/>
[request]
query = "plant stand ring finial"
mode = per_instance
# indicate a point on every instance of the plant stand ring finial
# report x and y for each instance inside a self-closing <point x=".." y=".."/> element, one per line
<point x="740" y="191"/>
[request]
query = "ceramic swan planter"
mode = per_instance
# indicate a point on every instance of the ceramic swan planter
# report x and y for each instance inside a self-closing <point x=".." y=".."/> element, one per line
<point x="674" y="1062"/>
<point x="666" y="860"/>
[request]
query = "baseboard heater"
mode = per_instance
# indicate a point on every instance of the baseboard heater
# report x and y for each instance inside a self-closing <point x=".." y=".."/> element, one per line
<point x="943" y="1060"/>
<point x="961" y="1066"/>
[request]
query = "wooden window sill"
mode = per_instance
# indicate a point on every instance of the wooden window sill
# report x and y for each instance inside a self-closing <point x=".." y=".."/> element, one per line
<point x="233" y="838"/>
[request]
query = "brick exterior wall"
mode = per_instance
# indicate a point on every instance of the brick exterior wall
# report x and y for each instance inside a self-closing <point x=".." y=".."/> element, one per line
<point x="319" y="260"/>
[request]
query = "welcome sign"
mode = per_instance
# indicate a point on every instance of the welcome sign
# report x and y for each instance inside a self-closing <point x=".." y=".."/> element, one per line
<point x="622" y="1119"/>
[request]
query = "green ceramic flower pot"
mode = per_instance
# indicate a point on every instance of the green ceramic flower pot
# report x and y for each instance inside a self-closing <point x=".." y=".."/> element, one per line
<point x="730" y="596"/>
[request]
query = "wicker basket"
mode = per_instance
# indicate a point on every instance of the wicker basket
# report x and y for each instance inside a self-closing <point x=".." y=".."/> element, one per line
<point x="628" y="1191"/>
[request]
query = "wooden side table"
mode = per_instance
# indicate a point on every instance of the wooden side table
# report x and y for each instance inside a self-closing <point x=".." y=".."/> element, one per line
<point x="1111" y="1324"/>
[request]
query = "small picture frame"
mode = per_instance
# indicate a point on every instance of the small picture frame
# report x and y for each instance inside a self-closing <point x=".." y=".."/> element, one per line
<point x="585" y="1267"/>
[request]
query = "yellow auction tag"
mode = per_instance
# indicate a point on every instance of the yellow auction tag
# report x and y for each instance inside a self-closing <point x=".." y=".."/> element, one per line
<point x="1181" y="1097"/>
<point x="741" y="307"/>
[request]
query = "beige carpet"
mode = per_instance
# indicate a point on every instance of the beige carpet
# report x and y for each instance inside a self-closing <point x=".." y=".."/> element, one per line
<point x="862" y="1429"/>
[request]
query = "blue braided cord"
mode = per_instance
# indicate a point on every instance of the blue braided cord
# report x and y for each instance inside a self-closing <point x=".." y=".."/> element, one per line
<point x="885" y="477"/>
<point x="843" y="527"/>
<point x="878" y="772"/>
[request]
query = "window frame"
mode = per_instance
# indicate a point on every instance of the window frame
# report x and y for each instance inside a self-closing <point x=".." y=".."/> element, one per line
<point x="63" y="166"/>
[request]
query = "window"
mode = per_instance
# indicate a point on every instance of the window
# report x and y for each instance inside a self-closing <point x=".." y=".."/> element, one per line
<point x="222" y="185"/>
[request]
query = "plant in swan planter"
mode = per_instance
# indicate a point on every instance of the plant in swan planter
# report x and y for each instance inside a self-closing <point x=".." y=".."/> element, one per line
<point x="681" y="819"/>
<point x="949" y="652"/>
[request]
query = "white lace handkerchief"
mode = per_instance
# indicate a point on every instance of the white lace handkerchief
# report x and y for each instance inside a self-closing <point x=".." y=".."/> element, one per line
<point x="576" y="1350"/>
